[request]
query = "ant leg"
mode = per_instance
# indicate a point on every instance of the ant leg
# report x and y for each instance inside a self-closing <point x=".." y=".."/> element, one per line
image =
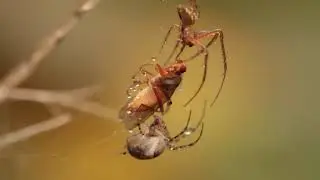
<point x="144" y="107"/>
<point x="136" y="85"/>
<point x="163" y="72"/>
<point x="205" y="67"/>
<point x="161" y="107"/>
<point x="137" y="81"/>
<point x="158" y="96"/>
<point x="143" y="72"/>
<point x="169" y="103"/>
<point x="142" y="113"/>
<point x="174" y="26"/>
<point x="156" y="92"/>
<point x="174" y="148"/>
<point x="215" y="34"/>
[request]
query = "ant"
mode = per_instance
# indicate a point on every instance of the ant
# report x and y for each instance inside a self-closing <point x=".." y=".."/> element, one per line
<point x="152" y="98"/>
<point x="152" y="141"/>
<point x="188" y="15"/>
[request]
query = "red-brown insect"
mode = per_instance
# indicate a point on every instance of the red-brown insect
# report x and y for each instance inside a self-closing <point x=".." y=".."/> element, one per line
<point x="152" y="98"/>
<point x="188" y="15"/>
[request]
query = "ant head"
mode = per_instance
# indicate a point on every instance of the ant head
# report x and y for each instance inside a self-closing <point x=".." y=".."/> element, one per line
<point x="188" y="15"/>
<point x="179" y="67"/>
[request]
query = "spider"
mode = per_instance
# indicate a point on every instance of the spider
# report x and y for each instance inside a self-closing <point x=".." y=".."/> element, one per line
<point x="188" y="15"/>
<point x="152" y="141"/>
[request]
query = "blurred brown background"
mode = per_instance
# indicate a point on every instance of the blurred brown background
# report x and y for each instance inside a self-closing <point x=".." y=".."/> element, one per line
<point x="264" y="126"/>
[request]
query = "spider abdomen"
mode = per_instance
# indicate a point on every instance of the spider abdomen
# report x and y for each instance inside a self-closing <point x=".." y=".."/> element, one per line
<point x="145" y="146"/>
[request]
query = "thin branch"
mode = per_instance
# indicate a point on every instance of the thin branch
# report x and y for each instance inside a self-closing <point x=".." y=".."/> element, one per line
<point x="24" y="70"/>
<point x="68" y="99"/>
<point x="27" y="132"/>
<point x="74" y="99"/>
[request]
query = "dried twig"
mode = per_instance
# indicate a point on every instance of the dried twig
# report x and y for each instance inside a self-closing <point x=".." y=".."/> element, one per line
<point x="24" y="70"/>
<point x="66" y="99"/>
<point x="76" y="99"/>
<point x="25" y="133"/>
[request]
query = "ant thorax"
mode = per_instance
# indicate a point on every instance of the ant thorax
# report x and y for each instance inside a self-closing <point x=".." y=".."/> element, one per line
<point x="168" y="84"/>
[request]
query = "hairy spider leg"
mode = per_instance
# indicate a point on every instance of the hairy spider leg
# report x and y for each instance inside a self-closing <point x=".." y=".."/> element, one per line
<point x="174" y="50"/>
<point x="205" y="68"/>
<point x="214" y="34"/>
<point x="174" y="148"/>
<point x="191" y="130"/>
<point x="164" y="42"/>
<point x="177" y="137"/>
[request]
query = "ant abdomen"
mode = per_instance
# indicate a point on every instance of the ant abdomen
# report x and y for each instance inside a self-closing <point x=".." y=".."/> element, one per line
<point x="145" y="146"/>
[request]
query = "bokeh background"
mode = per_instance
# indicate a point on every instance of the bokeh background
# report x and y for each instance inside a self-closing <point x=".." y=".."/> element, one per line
<point x="265" y="125"/>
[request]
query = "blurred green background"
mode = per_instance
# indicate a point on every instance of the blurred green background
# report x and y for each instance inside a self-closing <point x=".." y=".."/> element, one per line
<point x="265" y="125"/>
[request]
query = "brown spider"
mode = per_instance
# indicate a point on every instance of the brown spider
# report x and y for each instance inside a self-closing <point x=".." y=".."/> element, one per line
<point x="188" y="15"/>
<point x="152" y="141"/>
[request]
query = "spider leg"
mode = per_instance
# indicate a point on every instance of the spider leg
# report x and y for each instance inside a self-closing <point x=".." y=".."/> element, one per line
<point x="174" y="26"/>
<point x="205" y="67"/>
<point x="224" y="56"/>
<point x="172" y="52"/>
<point x="181" y="50"/>
<point x="177" y="137"/>
<point x="214" y="34"/>
<point x="189" y="130"/>
<point x="174" y="148"/>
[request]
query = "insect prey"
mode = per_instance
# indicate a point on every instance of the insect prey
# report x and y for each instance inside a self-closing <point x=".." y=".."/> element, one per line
<point x="154" y="96"/>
